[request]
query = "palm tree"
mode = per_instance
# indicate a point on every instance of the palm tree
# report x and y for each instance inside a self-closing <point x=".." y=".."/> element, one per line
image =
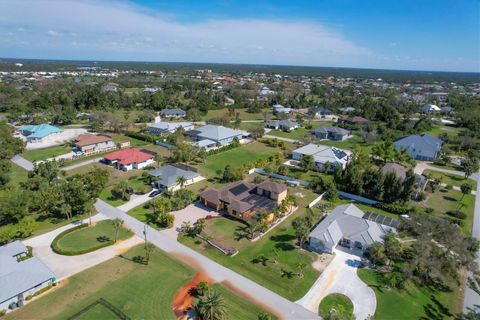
<point x="117" y="223"/>
<point x="158" y="159"/>
<point x="181" y="181"/>
<point x="300" y="267"/>
<point x="148" y="250"/>
<point x="466" y="189"/>
<point x="211" y="306"/>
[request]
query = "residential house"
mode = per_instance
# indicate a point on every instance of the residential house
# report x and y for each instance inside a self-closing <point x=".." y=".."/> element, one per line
<point x="166" y="177"/>
<point x="278" y="109"/>
<point x="321" y="111"/>
<point x="244" y="200"/>
<point x="173" y="113"/>
<point x="346" y="110"/>
<point x="323" y="155"/>
<point x="356" y="120"/>
<point x="331" y="133"/>
<point x="20" y="276"/>
<point x="430" y="108"/>
<point x="163" y="128"/>
<point x="110" y="87"/>
<point x="264" y="91"/>
<point x="401" y="173"/>
<point x="285" y="125"/>
<point x="349" y="227"/>
<point x="447" y="110"/>
<point x="128" y="159"/>
<point x="420" y="147"/>
<point x="88" y="143"/>
<point x="36" y="133"/>
<point x="151" y="90"/>
<point x="218" y="135"/>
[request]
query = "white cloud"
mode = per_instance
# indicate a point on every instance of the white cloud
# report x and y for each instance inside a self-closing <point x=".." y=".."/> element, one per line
<point x="53" y="33"/>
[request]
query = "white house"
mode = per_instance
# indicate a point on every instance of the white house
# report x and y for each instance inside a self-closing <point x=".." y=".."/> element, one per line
<point x="323" y="154"/>
<point x="430" y="108"/>
<point x="128" y="159"/>
<point x="163" y="128"/>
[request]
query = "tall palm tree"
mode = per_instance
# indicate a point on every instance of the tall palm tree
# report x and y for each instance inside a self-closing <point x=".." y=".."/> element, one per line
<point x="211" y="306"/>
<point x="181" y="181"/>
<point x="117" y="223"/>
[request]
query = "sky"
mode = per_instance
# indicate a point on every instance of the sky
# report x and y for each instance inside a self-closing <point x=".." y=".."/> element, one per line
<point x="438" y="35"/>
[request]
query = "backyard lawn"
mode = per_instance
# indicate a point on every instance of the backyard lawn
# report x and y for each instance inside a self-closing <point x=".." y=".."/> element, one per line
<point x="236" y="158"/>
<point x="410" y="303"/>
<point x="335" y="301"/>
<point x="43" y="154"/>
<point x="348" y="144"/>
<point x="91" y="237"/>
<point x="140" y="291"/>
<point x="278" y="245"/>
<point x="138" y="184"/>
<point x="133" y="142"/>
<point x="244" y="115"/>
<point x="450" y="179"/>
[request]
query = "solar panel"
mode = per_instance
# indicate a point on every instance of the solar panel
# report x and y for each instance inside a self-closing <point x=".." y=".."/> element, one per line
<point x="241" y="188"/>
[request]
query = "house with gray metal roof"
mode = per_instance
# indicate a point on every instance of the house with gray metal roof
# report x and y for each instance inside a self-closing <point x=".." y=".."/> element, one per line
<point x="285" y="125"/>
<point x="20" y="278"/>
<point x="166" y="177"/>
<point x="348" y="227"/>
<point x="163" y="128"/>
<point x="323" y="154"/>
<point x="331" y="133"/>
<point x="420" y="147"/>
<point x="219" y="134"/>
<point x="173" y="113"/>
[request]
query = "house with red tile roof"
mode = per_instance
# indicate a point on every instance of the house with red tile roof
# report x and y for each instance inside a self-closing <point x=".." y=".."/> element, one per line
<point x="128" y="159"/>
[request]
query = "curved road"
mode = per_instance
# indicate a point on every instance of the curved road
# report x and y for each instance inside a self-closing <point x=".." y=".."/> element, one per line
<point x="269" y="300"/>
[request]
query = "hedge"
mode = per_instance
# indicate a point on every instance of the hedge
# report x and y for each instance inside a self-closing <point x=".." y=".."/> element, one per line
<point x="142" y="136"/>
<point x="55" y="247"/>
<point x="396" y="208"/>
<point x="39" y="292"/>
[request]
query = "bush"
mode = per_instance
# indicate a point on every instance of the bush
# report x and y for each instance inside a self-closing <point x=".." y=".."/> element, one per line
<point x="396" y="208"/>
<point x="429" y="210"/>
<point x="142" y="136"/>
<point x="165" y="220"/>
<point x="421" y="196"/>
<point x="3" y="312"/>
<point x="457" y="214"/>
<point x="64" y="252"/>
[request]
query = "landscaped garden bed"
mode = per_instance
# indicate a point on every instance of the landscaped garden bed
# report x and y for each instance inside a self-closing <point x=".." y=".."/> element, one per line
<point x="85" y="238"/>
<point x="336" y="303"/>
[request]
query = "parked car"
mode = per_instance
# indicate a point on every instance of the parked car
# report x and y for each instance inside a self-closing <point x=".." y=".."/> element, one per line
<point x="154" y="193"/>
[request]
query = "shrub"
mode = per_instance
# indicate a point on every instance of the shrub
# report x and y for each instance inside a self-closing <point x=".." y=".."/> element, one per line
<point x="3" y="312"/>
<point x="142" y="136"/>
<point x="396" y="208"/>
<point x="165" y="220"/>
<point x="457" y="214"/>
<point x="55" y="247"/>
<point x="421" y="196"/>
<point x="429" y="210"/>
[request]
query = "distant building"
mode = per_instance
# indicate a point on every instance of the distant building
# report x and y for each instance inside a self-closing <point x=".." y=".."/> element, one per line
<point x="110" y="87"/>
<point x="346" y="110"/>
<point x="348" y="227"/>
<point x="93" y="143"/>
<point x="430" y="108"/>
<point x="356" y="120"/>
<point x="447" y="110"/>
<point x="128" y="159"/>
<point x="216" y="134"/>
<point x="265" y="91"/>
<point x="20" y="276"/>
<point x="244" y="200"/>
<point x="323" y="154"/>
<point x="285" y="125"/>
<point x="173" y="113"/>
<point x="321" y="111"/>
<point x="278" y="108"/>
<point x="331" y="133"/>
<point x="163" y="128"/>
<point x="420" y="147"/>
<point x="36" y="133"/>
<point x="167" y="176"/>
<point x="151" y="90"/>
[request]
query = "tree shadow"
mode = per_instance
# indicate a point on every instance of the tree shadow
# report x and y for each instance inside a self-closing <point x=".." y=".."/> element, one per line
<point x="241" y="232"/>
<point x="449" y="198"/>
<point x="287" y="274"/>
<point x="282" y="238"/>
<point x="135" y="259"/>
<point x="285" y="246"/>
<point x="103" y="239"/>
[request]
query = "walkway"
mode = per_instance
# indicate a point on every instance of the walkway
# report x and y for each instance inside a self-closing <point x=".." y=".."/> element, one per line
<point x="340" y="276"/>
<point x="66" y="266"/>
<point x="22" y="162"/>
<point x="265" y="298"/>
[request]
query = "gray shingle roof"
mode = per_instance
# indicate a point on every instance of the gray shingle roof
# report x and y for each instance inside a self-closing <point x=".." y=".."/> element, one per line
<point x="173" y="112"/>
<point x="217" y="133"/>
<point x="169" y="174"/>
<point x="423" y="144"/>
<point x="337" y="130"/>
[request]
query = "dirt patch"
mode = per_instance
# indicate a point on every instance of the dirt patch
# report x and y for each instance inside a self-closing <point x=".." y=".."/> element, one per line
<point x="251" y="298"/>
<point x="323" y="260"/>
<point x="182" y="302"/>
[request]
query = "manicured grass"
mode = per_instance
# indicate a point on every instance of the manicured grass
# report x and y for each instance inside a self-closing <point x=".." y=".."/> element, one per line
<point x="98" y="312"/>
<point x="222" y="229"/>
<point x="413" y="302"/>
<point x="90" y="237"/>
<point x="447" y="167"/>
<point x="279" y="277"/>
<point x="335" y="301"/>
<point x="164" y="152"/>
<point x="139" y="185"/>
<point x="244" y="115"/>
<point x="297" y="134"/>
<point x="437" y="130"/>
<point x="140" y="213"/>
<point x="451" y="179"/>
<point x="138" y="290"/>
<point x="133" y="142"/>
<point x="348" y="144"/>
<point x="17" y="175"/>
<point x="43" y="154"/>
<point x="236" y="158"/>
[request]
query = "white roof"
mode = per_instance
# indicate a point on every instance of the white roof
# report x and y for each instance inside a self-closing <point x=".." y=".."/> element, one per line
<point x="216" y="133"/>
<point x="324" y="154"/>
<point x="170" y="126"/>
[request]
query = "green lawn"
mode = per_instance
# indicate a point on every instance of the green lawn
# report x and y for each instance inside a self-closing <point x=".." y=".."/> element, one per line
<point x="139" y="185"/>
<point x="17" y="175"/>
<point x="98" y="312"/>
<point x="348" y="144"/>
<point x="138" y="290"/>
<point x="43" y="154"/>
<point x="439" y="129"/>
<point x="335" y="301"/>
<point x="244" y="115"/>
<point x="140" y="213"/>
<point x="279" y="277"/>
<point x="222" y="229"/>
<point x="297" y="134"/>
<point x="236" y="158"/>
<point x="90" y="237"/>
<point x="133" y="142"/>
<point x="451" y="179"/>
<point x="410" y="303"/>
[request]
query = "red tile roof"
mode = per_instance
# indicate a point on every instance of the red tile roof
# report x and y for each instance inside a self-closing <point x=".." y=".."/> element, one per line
<point x="129" y="156"/>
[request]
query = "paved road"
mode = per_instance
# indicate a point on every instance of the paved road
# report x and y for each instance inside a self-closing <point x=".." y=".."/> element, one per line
<point x="22" y="162"/>
<point x="271" y="301"/>
<point x="81" y="164"/>
<point x="422" y="166"/>
<point x="471" y="299"/>
<point x="340" y="276"/>
<point x="66" y="266"/>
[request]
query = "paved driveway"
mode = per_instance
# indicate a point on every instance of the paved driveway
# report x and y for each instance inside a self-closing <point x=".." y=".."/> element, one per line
<point x="135" y="201"/>
<point x="341" y="277"/>
<point x="22" y="162"/>
<point x="190" y="214"/>
<point x="66" y="266"/>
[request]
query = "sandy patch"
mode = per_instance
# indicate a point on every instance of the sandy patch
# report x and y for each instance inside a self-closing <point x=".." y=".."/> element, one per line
<point x="323" y="260"/>
<point x="182" y="302"/>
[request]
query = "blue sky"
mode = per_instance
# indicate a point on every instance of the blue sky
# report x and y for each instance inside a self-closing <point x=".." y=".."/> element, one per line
<point x="392" y="34"/>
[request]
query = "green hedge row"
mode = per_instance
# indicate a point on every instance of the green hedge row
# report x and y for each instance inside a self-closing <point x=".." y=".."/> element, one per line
<point x="142" y="136"/>
<point x="57" y="249"/>
<point x="44" y="289"/>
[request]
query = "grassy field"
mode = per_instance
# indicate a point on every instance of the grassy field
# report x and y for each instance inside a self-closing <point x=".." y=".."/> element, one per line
<point x="348" y="144"/>
<point x="410" y="303"/>
<point x="17" y="175"/>
<point x="43" y="154"/>
<point x="138" y="184"/>
<point x="222" y="229"/>
<point x="244" y="115"/>
<point x="450" y="179"/>
<point x="439" y="129"/>
<point x="140" y="213"/>
<point x="277" y="245"/>
<point x="133" y="142"/>
<point x="335" y="301"/>
<point x="91" y="237"/>
<point x="138" y="290"/>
